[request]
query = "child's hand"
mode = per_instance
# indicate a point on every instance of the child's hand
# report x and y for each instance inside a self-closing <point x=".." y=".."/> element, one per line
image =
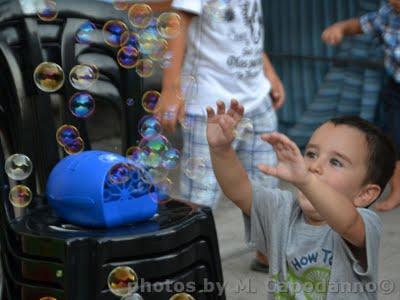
<point x="220" y="126"/>
<point x="170" y="109"/>
<point x="333" y="35"/>
<point x="291" y="166"/>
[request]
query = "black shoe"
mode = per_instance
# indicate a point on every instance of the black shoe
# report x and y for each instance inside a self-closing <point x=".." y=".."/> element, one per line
<point x="258" y="266"/>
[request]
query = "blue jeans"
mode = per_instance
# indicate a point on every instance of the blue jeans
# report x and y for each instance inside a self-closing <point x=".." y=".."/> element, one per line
<point x="390" y="97"/>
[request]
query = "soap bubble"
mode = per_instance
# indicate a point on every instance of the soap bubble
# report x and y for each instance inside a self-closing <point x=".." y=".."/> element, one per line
<point x="130" y="39"/>
<point x="127" y="57"/>
<point x="171" y="158"/>
<point x="83" y="76"/>
<point x="149" y="158"/>
<point x="48" y="76"/>
<point x="158" y="144"/>
<point x="158" y="50"/>
<point x="188" y="87"/>
<point x="66" y="134"/>
<point x="121" y="4"/>
<point x="149" y="126"/>
<point x="20" y="196"/>
<point x="147" y="39"/>
<point x="134" y="296"/>
<point x="140" y="15"/>
<point x="18" y="166"/>
<point x="154" y="175"/>
<point x="130" y="101"/>
<point x="74" y="147"/>
<point x="46" y="10"/>
<point x="169" y="25"/>
<point x="82" y="104"/>
<point x="85" y="33"/>
<point x="244" y="129"/>
<point x="122" y="281"/>
<point x="182" y="296"/>
<point x="150" y="100"/>
<point x="195" y="167"/>
<point x="134" y="155"/>
<point x="144" y="67"/>
<point x="166" y="61"/>
<point x="119" y="173"/>
<point x="94" y="68"/>
<point x="164" y="190"/>
<point x="113" y="31"/>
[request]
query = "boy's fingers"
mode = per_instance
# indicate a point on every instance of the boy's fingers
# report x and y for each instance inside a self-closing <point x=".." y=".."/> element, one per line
<point x="233" y="108"/>
<point x="241" y="110"/>
<point x="220" y="107"/>
<point x="210" y="112"/>
<point x="234" y="103"/>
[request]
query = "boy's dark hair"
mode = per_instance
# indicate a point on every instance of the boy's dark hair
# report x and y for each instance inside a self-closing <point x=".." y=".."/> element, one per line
<point x="382" y="152"/>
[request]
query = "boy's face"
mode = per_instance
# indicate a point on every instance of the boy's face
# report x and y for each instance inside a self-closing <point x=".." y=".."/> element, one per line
<point x="337" y="155"/>
<point x="395" y="4"/>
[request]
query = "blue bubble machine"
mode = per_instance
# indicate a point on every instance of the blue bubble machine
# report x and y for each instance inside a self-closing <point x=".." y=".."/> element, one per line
<point x="79" y="191"/>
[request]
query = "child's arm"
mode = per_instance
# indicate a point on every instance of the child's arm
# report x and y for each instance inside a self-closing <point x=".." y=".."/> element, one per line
<point x="228" y="169"/>
<point x="334" y="34"/>
<point x="277" y="89"/>
<point x="171" y="106"/>
<point x="335" y="208"/>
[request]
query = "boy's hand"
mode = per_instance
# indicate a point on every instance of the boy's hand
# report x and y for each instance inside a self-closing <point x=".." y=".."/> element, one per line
<point x="333" y="35"/>
<point x="170" y="110"/>
<point x="221" y="125"/>
<point x="291" y="166"/>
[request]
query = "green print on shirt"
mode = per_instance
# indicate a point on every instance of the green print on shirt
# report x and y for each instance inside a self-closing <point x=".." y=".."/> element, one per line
<point x="313" y="283"/>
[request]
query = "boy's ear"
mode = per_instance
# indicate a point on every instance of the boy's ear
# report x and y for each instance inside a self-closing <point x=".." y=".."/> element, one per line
<point x="368" y="194"/>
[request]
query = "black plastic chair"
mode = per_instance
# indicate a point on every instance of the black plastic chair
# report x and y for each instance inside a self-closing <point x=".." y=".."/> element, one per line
<point x="43" y="255"/>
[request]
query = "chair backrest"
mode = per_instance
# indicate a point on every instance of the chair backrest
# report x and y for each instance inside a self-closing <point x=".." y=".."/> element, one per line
<point x="28" y="125"/>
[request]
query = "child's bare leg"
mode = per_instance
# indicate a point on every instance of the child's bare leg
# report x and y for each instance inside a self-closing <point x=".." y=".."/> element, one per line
<point x="393" y="200"/>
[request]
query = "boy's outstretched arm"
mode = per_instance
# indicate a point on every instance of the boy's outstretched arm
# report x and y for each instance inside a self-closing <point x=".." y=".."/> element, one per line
<point x="334" y="34"/>
<point x="229" y="171"/>
<point x="336" y="209"/>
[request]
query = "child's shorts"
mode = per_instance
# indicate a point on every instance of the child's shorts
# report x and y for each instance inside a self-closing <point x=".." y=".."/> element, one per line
<point x="251" y="151"/>
<point x="390" y="97"/>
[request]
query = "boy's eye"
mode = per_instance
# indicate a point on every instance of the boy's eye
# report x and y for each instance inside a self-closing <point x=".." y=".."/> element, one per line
<point x="310" y="154"/>
<point x="336" y="162"/>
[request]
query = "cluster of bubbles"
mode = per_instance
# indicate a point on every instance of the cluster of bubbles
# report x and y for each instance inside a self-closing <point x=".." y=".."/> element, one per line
<point x="123" y="282"/>
<point x="68" y="137"/>
<point x="19" y="167"/>
<point x="146" y="43"/>
<point x="49" y="77"/>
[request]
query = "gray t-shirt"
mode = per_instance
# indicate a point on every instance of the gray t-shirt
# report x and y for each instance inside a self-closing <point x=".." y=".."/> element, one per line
<point x="306" y="261"/>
